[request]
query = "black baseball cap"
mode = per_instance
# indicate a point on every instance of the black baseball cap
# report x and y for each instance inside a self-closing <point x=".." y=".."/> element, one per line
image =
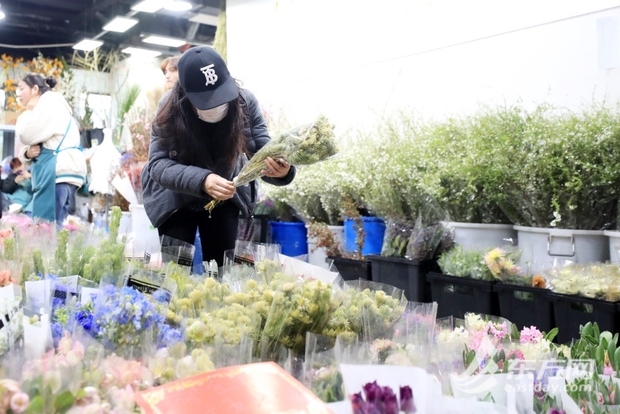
<point x="204" y="77"/>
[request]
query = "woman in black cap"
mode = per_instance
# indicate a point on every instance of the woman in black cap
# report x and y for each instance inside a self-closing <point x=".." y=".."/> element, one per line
<point x="204" y="131"/>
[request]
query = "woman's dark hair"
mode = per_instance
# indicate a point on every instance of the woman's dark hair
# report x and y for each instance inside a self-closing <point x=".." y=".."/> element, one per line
<point x="15" y="163"/>
<point x="44" y="84"/>
<point x="181" y="131"/>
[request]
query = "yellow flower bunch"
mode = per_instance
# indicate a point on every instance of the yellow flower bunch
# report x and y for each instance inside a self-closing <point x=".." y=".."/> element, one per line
<point x="501" y="265"/>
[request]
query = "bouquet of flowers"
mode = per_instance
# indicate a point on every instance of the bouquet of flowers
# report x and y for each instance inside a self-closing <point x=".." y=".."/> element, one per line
<point x="382" y="400"/>
<point x="450" y="340"/>
<point x="125" y="319"/>
<point x="492" y="264"/>
<point x="380" y="307"/>
<point x="429" y="236"/>
<point x="304" y="145"/>
<point x="53" y="380"/>
<point x="227" y="324"/>
<point x="321" y="373"/>
<point x="502" y="264"/>
<point x="296" y="308"/>
<point x="396" y="238"/>
<point x="368" y="309"/>
<point x="592" y="280"/>
<point x="413" y="335"/>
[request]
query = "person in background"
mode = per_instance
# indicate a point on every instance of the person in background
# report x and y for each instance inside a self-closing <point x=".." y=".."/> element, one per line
<point x="18" y="186"/>
<point x="203" y="131"/>
<point x="170" y="69"/>
<point x="51" y="147"/>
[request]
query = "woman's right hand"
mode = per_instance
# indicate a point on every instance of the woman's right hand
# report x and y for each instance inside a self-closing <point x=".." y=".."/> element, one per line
<point x="33" y="151"/>
<point x="218" y="187"/>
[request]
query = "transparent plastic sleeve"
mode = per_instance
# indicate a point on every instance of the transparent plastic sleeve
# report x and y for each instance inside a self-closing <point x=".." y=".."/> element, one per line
<point x="396" y="238"/>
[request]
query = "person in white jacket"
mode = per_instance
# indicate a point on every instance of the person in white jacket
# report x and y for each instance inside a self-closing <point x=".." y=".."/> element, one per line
<point x="51" y="138"/>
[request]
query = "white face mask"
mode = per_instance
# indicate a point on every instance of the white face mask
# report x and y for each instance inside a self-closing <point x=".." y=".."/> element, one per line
<point x="213" y="115"/>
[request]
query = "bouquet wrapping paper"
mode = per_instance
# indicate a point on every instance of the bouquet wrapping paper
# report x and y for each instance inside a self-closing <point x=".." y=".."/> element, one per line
<point x="261" y="388"/>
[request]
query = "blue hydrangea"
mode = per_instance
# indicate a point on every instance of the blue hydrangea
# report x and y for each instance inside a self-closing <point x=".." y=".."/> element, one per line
<point x="123" y="315"/>
<point x="168" y="336"/>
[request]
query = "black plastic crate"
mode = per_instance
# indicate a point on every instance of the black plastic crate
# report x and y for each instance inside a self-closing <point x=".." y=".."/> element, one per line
<point x="525" y="306"/>
<point x="571" y="311"/>
<point x="351" y="269"/>
<point x="455" y="296"/>
<point x="405" y="274"/>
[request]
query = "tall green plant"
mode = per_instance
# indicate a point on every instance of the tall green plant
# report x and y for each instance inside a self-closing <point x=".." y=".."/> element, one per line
<point x="566" y="169"/>
<point x="125" y="103"/>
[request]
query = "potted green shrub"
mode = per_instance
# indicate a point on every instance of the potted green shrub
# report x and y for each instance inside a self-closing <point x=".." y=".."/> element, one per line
<point x="402" y="193"/>
<point x="467" y="150"/>
<point x="562" y="193"/>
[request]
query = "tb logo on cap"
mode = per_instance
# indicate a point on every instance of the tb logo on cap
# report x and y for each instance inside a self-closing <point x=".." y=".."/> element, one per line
<point x="210" y="74"/>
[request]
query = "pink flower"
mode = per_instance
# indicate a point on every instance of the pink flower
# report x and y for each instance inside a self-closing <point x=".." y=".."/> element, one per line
<point x="599" y="398"/>
<point x="78" y="349"/>
<point x="19" y="402"/>
<point x="123" y="398"/>
<point x="476" y="339"/>
<point x="10" y="385"/>
<point x="498" y="333"/>
<point x="607" y="370"/>
<point x="530" y="335"/>
<point x="517" y="354"/>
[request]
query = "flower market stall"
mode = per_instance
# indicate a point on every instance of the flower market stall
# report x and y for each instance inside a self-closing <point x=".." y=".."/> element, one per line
<point x="86" y="330"/>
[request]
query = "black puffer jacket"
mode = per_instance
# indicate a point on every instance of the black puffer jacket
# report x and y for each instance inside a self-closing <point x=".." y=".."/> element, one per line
<point x="169" y="186"/>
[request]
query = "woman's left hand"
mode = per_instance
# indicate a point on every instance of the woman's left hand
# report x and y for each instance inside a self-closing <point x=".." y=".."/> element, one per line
<point x="276" y="169"/>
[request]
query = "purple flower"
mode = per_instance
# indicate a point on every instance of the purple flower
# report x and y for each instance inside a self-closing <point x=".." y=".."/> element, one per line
<point x="406" y="400"/>
<point x="556" y="410"/>
<point x="539" y="392"/>
<point x="389" y="401"/>
<point x="358" y="404"/>
<point x="372" y="391"/>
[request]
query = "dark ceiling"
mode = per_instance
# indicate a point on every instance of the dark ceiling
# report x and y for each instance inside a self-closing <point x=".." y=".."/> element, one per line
<point x="51" y="27"/>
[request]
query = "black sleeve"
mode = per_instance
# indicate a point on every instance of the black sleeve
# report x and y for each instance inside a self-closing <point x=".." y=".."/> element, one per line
<point x="9" y="185"/>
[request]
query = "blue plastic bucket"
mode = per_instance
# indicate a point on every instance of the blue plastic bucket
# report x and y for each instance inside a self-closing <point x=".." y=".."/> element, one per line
<point x="291" y="236"/>
<point x="374" y="229"/>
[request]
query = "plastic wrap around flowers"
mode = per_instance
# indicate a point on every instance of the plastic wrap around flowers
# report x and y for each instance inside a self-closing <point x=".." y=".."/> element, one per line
<point x="304" y="145"/>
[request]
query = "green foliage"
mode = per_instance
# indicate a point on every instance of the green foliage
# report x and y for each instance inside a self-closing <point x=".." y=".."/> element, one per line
<point x="602" y="347"/>
<point x="109" y="257"/>
<point x="594" y="395"/>
<point x="464" y="263"/>
<point x="37" y="261"/>
<point x="126" y="102"/>
<point x="540" y="167"/>
<point x="61" y="255"/>
<point x="9" y="248"/>
<point x="115" y="222"/>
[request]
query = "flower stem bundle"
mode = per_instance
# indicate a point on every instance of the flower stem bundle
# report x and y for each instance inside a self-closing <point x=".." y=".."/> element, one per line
<point x="303" y="145"/>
